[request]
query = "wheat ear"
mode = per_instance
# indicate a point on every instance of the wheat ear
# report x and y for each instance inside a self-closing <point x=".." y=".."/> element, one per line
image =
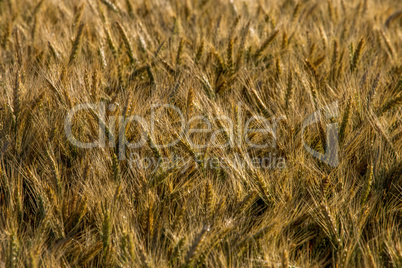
<point x="389" y="105"/>
<point x="78" y="16"/>
<point x="115" y="167"/>
<point x="289" y="91"/>
<point x="334" y="60"/>
<point x="200" y="50"/>
<point x="356" y="55"/>
<point x="266" y="43"/>
<point x="387" y="44"/>
<point x="110" y="42"/>
<point x="367" y="186"/>
<point x="76" y="44"/>
<point x="110" y="6"/>
<point x="197" y="243"/>
<point x="106" y="232"/>
<point x="17" y="95"/>
<point x="208" y="201"/>
<point x="229" y="55"/>
<point x="190" y="102"/>
<point x="126" y="42"/>
<point x="345" y="121"/>
<point x="180" y="53"/>
<point x="130" y="8"/>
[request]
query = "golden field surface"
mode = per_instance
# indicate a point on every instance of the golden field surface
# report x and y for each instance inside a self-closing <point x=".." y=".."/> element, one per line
<point x="205" y="133"/>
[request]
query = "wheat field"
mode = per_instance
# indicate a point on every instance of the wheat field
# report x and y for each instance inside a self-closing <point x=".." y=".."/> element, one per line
<point x="179" y="133"/>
